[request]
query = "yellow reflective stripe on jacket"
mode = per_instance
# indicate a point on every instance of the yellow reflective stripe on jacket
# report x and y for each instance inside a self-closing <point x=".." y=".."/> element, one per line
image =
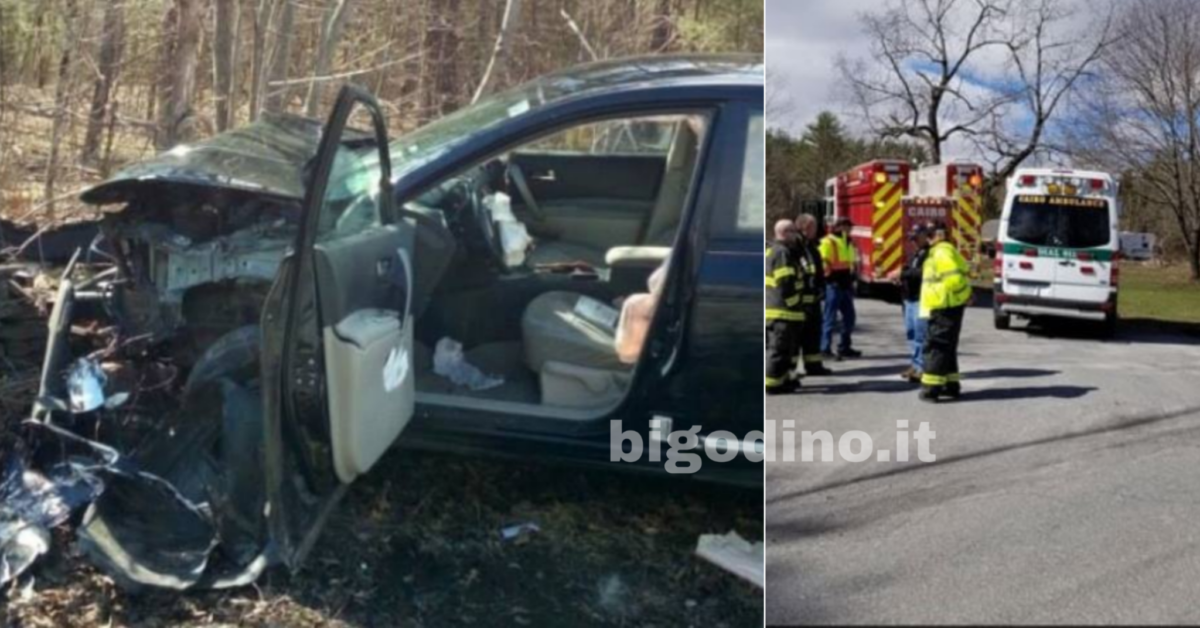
<point x="837" y="253"/>
<point x="771" y="283"/>
<point x="780" y="314"/>
<point x="929" y="379"/>
<point x="792" y="301"/>
<point x="786" y="271"/>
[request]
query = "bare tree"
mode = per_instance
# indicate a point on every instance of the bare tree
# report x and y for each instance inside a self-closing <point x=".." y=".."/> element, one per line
<point x="914" y="86"/>
<point x="62" y="93"/>
<point x="262" y="21"/>
<point x="276" y="99"/>
<point x="112" y="43"/>
<point x="224" y="66"/>
<point x="336" y="17"/>
<point x="1143" y="116"/>
<point x="512" y="12"/>
<point x="664" y="27"/>
<point x="176" y="115"/>
<point x="1049" y="63"/>
<point x="924" y="78"/>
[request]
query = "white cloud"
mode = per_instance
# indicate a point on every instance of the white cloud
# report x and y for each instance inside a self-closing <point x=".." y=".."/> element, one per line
<point x="803" y="38"/>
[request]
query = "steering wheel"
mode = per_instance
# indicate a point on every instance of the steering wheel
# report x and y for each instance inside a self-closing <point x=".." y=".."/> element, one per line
<point x="481" y="222"/>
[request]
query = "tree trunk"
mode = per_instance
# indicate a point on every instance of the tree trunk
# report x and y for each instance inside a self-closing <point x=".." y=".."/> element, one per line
<point x="512" y="12"/>
<point x="62" y="92"/>
<point x="262" y="21"/>
<point x="112" y="44"/>
<point x="663" y="31"/>
<point x="1194" y="255"/>
<point x="224" y="41"/>
<point x="331" y="32"/>
<point x="441" y="63"/>
<point x="176" y="116"/>
<point x="277" y="96"/>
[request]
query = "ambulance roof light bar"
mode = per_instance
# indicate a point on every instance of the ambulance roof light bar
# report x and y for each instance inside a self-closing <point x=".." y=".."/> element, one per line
<point x="1029" y="180"/>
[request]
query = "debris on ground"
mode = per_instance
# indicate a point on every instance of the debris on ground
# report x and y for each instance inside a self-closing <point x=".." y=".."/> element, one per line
<point x="450" y="362"/>
<point x="31" y="504"/>
<point x="734" y="554"/>
<point x="518" y="531"/>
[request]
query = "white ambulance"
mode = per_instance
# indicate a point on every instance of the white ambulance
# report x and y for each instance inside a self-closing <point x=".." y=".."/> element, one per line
<point x="1057" y="250"/>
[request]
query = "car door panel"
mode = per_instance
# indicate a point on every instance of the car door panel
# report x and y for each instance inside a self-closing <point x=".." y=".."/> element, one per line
<point x="596" y="222"/>
<point x="554" y="176"/>
<point x="600" y="201"/>
<point x="337" y="332"/>
<point x="363" y="286"/>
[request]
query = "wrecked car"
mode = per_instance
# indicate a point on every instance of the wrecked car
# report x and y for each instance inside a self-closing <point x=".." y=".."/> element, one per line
<point x="507" y="280"/>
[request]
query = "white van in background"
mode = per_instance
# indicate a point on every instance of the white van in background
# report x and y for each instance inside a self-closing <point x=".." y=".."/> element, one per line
<point x="1058" y="247"/>
<point x="1138" y="245"/>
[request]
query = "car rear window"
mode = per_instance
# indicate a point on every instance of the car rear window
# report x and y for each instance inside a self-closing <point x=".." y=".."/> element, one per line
<point x="1065" y="221"/>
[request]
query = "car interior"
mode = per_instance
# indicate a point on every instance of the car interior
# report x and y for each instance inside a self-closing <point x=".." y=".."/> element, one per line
<point x="534" y="268"/>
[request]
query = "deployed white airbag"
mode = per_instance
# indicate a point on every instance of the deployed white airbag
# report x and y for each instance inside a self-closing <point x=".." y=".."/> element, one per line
<point x="514" y="237"/>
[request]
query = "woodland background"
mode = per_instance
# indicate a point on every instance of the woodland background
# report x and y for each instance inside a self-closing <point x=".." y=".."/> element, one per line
<point x="88" y="85"/>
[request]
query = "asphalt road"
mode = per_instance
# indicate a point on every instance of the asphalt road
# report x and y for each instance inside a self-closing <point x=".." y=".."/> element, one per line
<point x="1066" y="486"/>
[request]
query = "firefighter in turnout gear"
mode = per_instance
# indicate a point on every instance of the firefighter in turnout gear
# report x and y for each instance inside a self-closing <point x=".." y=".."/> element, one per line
<point x="812" y="295"/>
<point x="784" y="317"/>
<point x="945" y="294"/>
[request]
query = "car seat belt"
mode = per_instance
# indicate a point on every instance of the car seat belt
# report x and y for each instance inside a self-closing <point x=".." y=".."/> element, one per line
<point x="518" y="179"/>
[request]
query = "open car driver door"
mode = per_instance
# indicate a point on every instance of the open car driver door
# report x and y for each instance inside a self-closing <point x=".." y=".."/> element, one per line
<point x="338" y="377"/>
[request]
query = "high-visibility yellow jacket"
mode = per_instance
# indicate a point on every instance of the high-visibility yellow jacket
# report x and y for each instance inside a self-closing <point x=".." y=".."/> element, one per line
<point x="782" y="294"/>
<point x="837" y="254"/>
<point x="945" y="280"/>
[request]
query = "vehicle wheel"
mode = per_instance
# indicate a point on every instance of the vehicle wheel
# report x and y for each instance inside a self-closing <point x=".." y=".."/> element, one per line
<point x="1003" y="321"/>
<point x="234" y="355"/>
<point x="1110" y="325"/>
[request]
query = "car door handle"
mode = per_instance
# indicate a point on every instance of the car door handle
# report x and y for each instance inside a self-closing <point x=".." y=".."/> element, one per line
<point x="545" y="176"/>
<point x="383" y="267"/>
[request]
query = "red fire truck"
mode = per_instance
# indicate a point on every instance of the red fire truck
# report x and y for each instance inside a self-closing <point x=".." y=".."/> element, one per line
<point x="885" y="198"/>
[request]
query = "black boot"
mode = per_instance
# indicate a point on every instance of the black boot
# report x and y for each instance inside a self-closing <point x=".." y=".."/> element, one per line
<point x="929" y="394"/>
<point x="817" y="369"/>
<point x="851" y="353"/>
<point x="790" y="386"/>
<point x="954" y="390"/>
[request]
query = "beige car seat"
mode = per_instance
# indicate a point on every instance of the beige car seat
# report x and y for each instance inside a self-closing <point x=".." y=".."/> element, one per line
<point x="580" y="362"/>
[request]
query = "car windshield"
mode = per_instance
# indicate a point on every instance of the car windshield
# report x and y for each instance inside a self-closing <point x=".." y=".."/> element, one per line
<point x="1065" y="221"/>
<point x="434" y="139"/>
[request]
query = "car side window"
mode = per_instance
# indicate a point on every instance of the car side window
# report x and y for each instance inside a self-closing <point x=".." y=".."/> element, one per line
<point x="751" y="215"/>
<point x="649" y="135"/>
<point x="352" y="202"/>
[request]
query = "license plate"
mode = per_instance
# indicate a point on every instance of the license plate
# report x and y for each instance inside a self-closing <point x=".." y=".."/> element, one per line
<point x="1024" y="289"/>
